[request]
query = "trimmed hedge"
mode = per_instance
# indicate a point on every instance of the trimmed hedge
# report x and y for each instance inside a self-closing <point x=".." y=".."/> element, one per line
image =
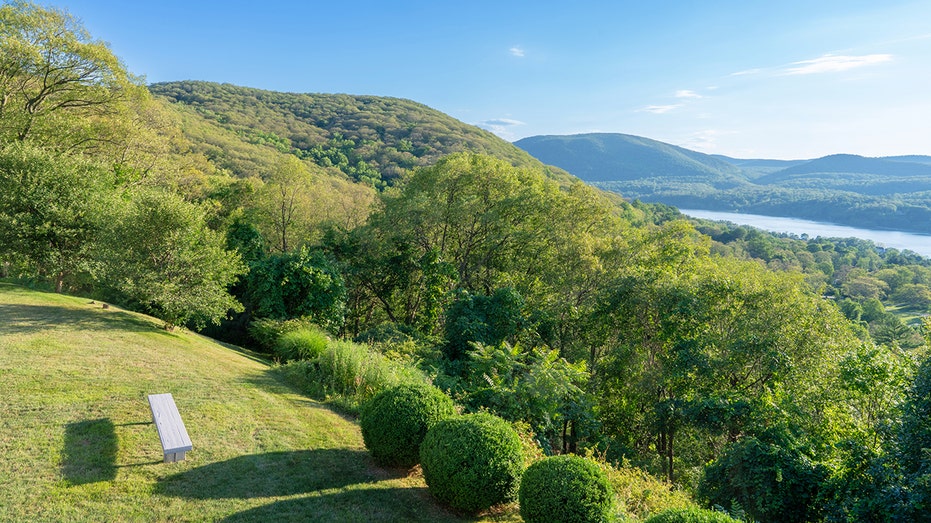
<point x="472" y="462"/>
<point x="569" y="489"/>
<point x="395" y="421"/>
<point x="691" y="515"/>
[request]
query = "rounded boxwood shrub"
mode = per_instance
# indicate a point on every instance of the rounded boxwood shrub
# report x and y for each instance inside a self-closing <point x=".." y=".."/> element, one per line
<point x="568" y="488"/>
<point x="472" y="462"/>
<point x="395" y="421"/>
<point x="691" y="515"/>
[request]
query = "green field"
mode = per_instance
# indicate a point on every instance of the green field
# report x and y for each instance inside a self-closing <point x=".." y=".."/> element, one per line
<point x="77" y="442"/>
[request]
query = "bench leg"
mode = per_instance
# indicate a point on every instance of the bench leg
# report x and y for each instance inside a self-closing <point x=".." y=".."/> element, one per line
<point x="174" y="457"/>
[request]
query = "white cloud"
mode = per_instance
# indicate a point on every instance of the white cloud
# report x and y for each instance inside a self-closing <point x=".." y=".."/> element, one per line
<point x="685" y="93"/>
<point x="517" y="51"/>
<point x="835" y="63"/>
<point x="660" y="109"/>
<point x="500" y="126"/>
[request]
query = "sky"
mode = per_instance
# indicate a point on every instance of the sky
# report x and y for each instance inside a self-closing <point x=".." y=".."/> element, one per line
<point x="748" y="79"/>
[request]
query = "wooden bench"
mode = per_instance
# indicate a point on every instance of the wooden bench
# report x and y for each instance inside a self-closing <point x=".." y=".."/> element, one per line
<point x="171" y="431"/>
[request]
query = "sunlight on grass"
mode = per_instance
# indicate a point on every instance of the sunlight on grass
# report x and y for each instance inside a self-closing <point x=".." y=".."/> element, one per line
<point x="78" y="443"/>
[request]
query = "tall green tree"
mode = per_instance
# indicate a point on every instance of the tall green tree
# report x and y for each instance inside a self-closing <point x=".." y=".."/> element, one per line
<point x="51" y="70"/>
<point x="159" y="253"/>
<point x="50" y="212"/>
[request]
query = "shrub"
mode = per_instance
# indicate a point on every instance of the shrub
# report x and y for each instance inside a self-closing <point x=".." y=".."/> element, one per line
<point x="346" y="374"/>
<point x="691" y="515"/>
<point x="472" y="462"/>
<point x="301" y="344"/>
<point x="568" y="488"/>
<point x="771" y="482"/>
<point x="395" y="421"/>
<point x="266" y="332"/>
<point x="639" y="493"/>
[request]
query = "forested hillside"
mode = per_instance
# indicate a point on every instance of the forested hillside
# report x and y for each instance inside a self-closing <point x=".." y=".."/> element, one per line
<point x="883" y="193"/>
<point x="370" y="139"/>
<point x="363" y="249"/>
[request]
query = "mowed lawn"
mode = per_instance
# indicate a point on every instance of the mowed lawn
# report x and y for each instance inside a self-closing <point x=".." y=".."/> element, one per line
<point x="77" y="442"/>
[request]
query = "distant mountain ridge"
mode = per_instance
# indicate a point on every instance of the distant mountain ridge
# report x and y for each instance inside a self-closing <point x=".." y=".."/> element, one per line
<point x="888" y="193"/>
<point x="599" y="157"/>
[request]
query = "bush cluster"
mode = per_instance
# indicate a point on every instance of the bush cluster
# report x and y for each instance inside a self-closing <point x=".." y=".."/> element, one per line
<point x="472" y="462"/>
<point x="395" y="421"/>
<point x="567" y="488"/>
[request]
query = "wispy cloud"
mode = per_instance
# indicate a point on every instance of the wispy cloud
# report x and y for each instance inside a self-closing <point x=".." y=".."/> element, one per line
<point x="835" y="63"/>
<point x="685" y="93"/>
<point x="660" y="109"/>
<point x="517" y="51"/>
<point x="500" y="126"/>
<point x="748" y="72"/>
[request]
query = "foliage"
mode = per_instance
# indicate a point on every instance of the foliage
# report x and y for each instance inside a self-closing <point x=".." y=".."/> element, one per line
<point x="349" y="373"/>
<point x="915" y="442"/>
<point x="472" y="462"/>
<point x="499" y="227"/>
<point x="50" y="70"/>
<point x="297" y="284"/>
<point x="50" y="213"/>
<point x="639" y="494"/>
<point x="771" y="482"/>
<point x="709" y="349"/>
<point x="690" y="515"/>
<point x="159" y="253"/>
<point x="488" y="320"/>
<point x="301" y="344"/>
<point x="534" y="386"/>
<point x="265" y="332"/>
<point x="395" y="421"/>
<point x="566" y="488"/>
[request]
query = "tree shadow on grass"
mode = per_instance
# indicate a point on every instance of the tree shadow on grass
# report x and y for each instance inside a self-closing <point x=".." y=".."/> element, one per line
<point x="89" y="454"/>
<point x="361" y="505"/>
<point x="271" y="474"/>
<point x="18" y="319"/>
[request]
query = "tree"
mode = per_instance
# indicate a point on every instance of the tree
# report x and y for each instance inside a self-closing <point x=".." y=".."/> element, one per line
<point x="711" y="349"/>
<point x="159" y="253"/>
<point x="297" y="284"/>
<point x="297" y="203"/>
<point x="50" y="212"/>
<point x="51" y="70"/>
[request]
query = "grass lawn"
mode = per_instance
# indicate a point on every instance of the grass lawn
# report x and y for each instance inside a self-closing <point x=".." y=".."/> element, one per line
<point x="77" y="442"/>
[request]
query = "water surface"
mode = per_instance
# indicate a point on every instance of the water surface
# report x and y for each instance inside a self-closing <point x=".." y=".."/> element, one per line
<point x="919" y="243"/>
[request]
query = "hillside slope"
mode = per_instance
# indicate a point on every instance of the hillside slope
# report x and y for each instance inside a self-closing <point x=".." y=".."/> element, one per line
<point x="78" y="445"/>
<point x="367" y="138"/>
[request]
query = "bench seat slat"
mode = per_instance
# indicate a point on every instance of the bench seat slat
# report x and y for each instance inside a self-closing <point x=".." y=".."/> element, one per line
<point x="171" y="431"/>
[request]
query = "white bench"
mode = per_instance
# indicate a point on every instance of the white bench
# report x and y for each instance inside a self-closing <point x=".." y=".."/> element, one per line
<point x="171" y="431"/>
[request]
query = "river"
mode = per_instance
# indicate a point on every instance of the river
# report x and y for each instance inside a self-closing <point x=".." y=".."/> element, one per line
<point x="919" y="243"/>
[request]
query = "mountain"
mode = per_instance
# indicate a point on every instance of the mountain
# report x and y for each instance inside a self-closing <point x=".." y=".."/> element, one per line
<point x="602" y="157"/>
<point x="370" y="139"/>
<point x="844" y="164"/>
<point x="887" y="193"/>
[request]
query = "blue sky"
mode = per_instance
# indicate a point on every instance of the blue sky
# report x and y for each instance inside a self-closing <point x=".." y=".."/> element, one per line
<point x="788" y="79"/>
